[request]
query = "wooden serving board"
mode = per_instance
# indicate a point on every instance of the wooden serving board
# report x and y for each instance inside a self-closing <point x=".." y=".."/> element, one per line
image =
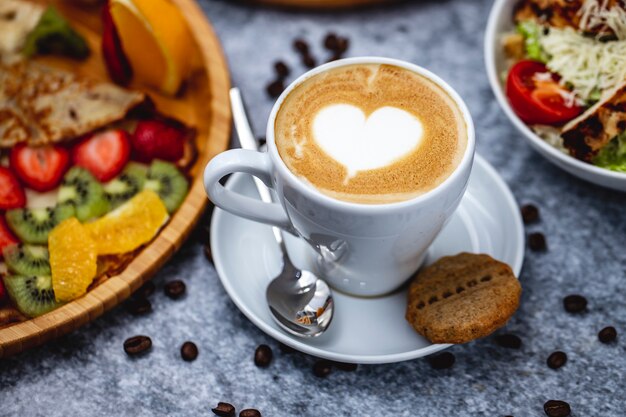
<point x="204" y="105"/>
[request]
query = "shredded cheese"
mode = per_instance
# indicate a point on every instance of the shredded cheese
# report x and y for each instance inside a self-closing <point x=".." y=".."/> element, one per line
<point x="596" y="14"/>
<point x="585" y="63"/>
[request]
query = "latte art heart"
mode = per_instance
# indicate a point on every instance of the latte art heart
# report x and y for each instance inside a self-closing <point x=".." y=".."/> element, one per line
<point x="361" y="142"/>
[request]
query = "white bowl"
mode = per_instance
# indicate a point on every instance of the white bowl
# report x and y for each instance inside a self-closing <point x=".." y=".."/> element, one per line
<point x="500" y="22"/>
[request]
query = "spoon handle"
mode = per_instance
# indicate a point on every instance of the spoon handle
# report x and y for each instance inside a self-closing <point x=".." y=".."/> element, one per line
<point x="248" y="141"/>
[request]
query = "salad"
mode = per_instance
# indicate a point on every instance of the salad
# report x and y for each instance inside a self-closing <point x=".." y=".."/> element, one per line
<point x="566" y="77"/>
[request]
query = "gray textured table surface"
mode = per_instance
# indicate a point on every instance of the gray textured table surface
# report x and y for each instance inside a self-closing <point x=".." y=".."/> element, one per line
<point x="88" y="374"/>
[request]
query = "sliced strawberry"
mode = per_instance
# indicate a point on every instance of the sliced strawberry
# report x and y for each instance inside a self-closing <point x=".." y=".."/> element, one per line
<point x="104" y="154"/>
<point x="7" y="238"/>
<point x="155" y="139"/>
<point x="40" y="168"/>
<point x="116" y="62"/>
<point x="11" y="192"/>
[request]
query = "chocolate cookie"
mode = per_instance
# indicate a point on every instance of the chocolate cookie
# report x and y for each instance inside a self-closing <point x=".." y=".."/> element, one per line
<point x="461" y="298"/>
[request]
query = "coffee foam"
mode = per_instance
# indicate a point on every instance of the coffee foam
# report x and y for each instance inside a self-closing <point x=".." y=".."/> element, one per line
<point x="370" y="133"/>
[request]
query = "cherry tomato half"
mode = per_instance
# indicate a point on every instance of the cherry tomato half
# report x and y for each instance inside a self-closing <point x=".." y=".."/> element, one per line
<point x="538" y="99"/>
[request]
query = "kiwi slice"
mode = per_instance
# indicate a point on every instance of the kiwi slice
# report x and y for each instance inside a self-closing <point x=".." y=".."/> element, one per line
<point x="33" y="295"/>
<point x="80" y="189"/>
<point x="32" y="225"/>
<point x="167" y="181"/>
<point x="27" y="260"/>
<point x="125" y="185"/>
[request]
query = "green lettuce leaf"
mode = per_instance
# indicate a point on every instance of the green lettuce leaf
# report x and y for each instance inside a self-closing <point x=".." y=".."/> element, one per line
<point x="532" y="33"/>
<point x="613" y="155"/>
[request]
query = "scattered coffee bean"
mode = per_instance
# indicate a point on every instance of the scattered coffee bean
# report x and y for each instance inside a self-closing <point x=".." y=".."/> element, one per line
<point x="262" y="141"/>
<point x="137" y="345"/>
<point x="345" y="366"/>
<point x="575" y="303"/>
<point x="275" y="88"/>
<point x="263" y="356"/>
<point x="556" y="408"/>
<point x="301" y="46"/>
<point x="282" y="70"/>
<point x="224" y="410"/>
<point x="138" y="306"/>
<point x="508" y="340"/>
<point x="175" y="289"/>
<point x="331" y="41"/>
<point x="322" y="368"/>
<point x="443" y="360"/>
<point x="308" y="61"/>
<point x="146" y="290"/>
<point x="537" y="242"/>
<point x="208" y="254"/>
<point x="556" y="359"/>
<point x="342" y="45"/>
<point x="530" y="213"/>
<point x="286" y="348"/>
<point x="250" y="412"/>
<point x="608" y="334"/>
<point x="189" y="351"/>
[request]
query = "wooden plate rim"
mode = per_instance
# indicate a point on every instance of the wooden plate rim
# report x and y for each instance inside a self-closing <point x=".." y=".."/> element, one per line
<point x="25" y="335"/>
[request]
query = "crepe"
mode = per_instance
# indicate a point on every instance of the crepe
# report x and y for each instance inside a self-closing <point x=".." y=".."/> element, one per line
<point x="41" y="105"/>
<point x="17" y="19"/>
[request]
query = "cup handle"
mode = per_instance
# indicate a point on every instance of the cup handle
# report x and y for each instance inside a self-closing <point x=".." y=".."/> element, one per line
<point x="250" y="162"/>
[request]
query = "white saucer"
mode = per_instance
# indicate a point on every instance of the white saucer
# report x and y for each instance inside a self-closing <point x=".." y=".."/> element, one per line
<point x="363" y="330"/>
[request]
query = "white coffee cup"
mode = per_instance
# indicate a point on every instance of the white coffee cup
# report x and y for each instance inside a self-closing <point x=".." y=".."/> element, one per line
<point x="365" y="249"/>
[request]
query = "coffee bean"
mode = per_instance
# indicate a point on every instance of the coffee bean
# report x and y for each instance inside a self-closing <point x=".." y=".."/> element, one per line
<point x="308" y="61"/>
<point x="344" y="366"/>
<point x="175" y="289"/>
<point x="208" y="254"/>
<point x="286" y="348"/>
<point x="282" y="70"/>
<point x="575" y="303"/>
<point x="556" y="359"/>
<point x="530" y="213"/>
<point x="322" y="368"/>
<point x="301" y="46"/>
<point x="146" y="290"/>
<point x="342" y="45"/>
<point x="275" y="88"/>
<point x="137" y="345"/>
<point x="556" y="408"/>
<point x="189" y="351"/>
<point x="262" y="141"/>
<point x="443" y="360"/>
<point x="508" y="340"/>
<point x="537" y="242"/>
<point x="608" y="335"/>
<point x="263" y="356"/>
<point x="250" y="412"/>
<point x="331" y="41"/>
<point x="138" y="306"/>
<point x="224" y="410"/>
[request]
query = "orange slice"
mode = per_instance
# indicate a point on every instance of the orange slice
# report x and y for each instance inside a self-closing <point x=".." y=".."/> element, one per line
<point x="156" y="40"/>
<point x="73" y="259"/>
<point x="129" y="226"/>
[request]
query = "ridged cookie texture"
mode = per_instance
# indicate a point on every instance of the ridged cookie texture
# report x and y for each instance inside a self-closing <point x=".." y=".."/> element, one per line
<point x="461" y="298"/>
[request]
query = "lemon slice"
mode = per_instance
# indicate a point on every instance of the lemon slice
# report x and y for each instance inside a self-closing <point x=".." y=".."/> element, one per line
<point x="129" y="226"/>
<point x="156" y="41"/>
